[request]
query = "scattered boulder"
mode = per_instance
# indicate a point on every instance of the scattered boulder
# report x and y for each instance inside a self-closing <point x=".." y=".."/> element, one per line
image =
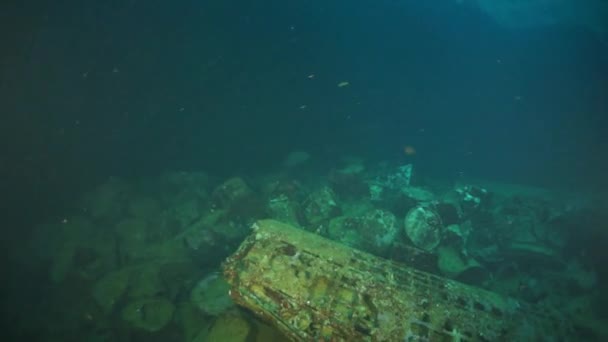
<point x="376" y="231"/>
<point x="284" y="209"/>
<point x="455" y="265"/>
<point x="191" y="320"/>
<point x="211" y="296"/>
<point x="229" y="327"/>
<point x="145" y="281"/>
<point x="110" y="289"/>
<point x="470" y="199"/>
<point x="238" y="199"/>
<point x="320" y="207"/>
<point x="424" y="227"/>
<point x="391" y="183"/>
<point x="148" y="314"/>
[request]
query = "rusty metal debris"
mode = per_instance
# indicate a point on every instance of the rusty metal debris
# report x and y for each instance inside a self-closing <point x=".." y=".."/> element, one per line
<point x="314" y="289"/>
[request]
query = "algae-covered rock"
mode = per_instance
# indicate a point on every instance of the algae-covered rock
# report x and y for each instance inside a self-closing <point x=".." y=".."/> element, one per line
<point x="81" y="248"/>
<point x="284" y="209"/>
<point x="451" y="263"/>
<point x="374" y="231"/>
<point x="393" y="182"/>
<point x="211" y="296"/>
<point x="231" y="193"/>
<point x="470" y="199"/>
<point x="187" y="210"/>
<point x="191" y="320"/>
<point x="229" y="327"/>
<point x="238" y="200"/>
<point x="110" y="289"/>
<point x="423" y="226"/>
<point x="145" y="281"/>
<point x="344" y="230"/>
<point x="151" y="314"/>
<point x="133" y="238"/>
<point x="418" y="194"/>
<point x="320" y="206"/>
<point x="380" y="229"/>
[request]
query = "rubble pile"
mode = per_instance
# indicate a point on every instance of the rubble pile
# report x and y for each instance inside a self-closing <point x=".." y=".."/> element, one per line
<point x="141" y="258"/>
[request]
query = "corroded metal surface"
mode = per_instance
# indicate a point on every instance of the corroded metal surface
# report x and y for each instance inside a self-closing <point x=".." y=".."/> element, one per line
<point x="314" y="289"/>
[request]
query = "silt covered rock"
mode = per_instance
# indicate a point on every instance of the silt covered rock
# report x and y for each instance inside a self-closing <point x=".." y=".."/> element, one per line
<point x="211" y="296"/>
<point x="424" y="227"/>
<point x="374" y="231"/>
<point x="150" y="314"/>
<point x="319" y="208"/>
<point x="110" y="289"/>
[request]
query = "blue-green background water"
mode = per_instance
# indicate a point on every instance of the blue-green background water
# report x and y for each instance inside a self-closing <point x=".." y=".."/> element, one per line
<point x="132" y="89"/>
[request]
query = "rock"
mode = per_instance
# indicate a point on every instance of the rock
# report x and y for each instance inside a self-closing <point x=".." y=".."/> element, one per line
<point x="378" y="230"/>
<point x="199" y="237"/>
<point x="345" y="230"/>
<point x="231" y="193"/>
<point x="187" y="210"/>
<point x="133" y="238"/>
<point x="229" y="327"/>
<point x="319" y="208"/>
<point x="394" y="182"/>
<point x="211" y="296"/>
<point x="471" y="199"/>
<point x="458" y="234"/>
<point x="454" y="265"/>
<point x="192" y="320"/>
<point x="239" y="200"/>
<point x="110" y="289"/>
<point x="80" y="248"/>
<point x="208" y="238"/>
<point x="284" y="209"/>
<point x="279" y="186"/>
<point x="374" y="231"/>
<point x="418" y="194"/>
<point x="423" y="226"/>
<point x="179" y="276"/>
<point x="151" y="314"/>
<point x="145" y="281"/>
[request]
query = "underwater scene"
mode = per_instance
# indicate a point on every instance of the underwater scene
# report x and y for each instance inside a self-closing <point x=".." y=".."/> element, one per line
<point x="303" y="170"/>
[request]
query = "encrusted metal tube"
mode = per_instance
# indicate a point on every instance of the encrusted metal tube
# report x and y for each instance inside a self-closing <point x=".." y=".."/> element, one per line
<point x="315" y="289"/>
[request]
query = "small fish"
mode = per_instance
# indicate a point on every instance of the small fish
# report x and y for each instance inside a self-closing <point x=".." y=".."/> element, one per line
<point x="343" y="84"/>
<point x="409" y="150"/>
